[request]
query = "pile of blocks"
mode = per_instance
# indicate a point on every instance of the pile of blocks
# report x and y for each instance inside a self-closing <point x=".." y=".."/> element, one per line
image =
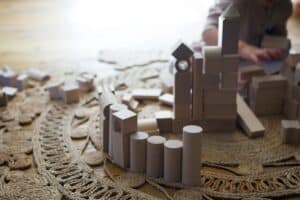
<point x="267" y="94"/>
<point x="205" y="86"/>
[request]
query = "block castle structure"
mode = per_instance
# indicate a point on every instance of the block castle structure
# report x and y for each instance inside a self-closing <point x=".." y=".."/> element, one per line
<point x="205" y="87"/>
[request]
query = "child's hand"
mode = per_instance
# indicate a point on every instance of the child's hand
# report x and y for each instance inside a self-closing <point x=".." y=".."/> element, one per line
<point x="255" y="54"/>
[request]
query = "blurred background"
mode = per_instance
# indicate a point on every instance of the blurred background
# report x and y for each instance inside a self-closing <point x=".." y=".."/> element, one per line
<point x="65" y="32"/>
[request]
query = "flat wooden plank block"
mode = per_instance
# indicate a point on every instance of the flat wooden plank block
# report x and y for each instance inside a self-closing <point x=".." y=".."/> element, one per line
<point x="247" y="119"/>
<point x="167" y="99"/>
<point x="147" y="94"/>
<point x="273" y="81"/>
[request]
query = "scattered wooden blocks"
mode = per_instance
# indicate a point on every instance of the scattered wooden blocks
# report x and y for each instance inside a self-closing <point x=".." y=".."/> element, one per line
<point x="167" y="99"/>
<point x="37" y="74"/>
<point x="164" y="121"/>
<point x="22" y="82"/>
<point x="70" y="93"/>
<point x="247" y="120"/>
<point x="146" y="94"/>
<point x="290" y="131"/>
<point x="229" y="28"/>
<point x="10" y="92"/>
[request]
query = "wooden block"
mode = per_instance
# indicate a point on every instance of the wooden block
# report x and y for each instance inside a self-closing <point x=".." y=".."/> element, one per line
<point x="37" y="74"/>
<point x="132" y="104"/>
<point x="167" y="99"/>
<point x="218" y="125"/>
<point x="125" y="124"/>
<point x="221" y="96"/>
<point x="182" y="111"/>
<point x="211" y="81"/>
<point x="125" y="121"/>
<point x="229" y="80"/>
<point x="146" y="94"/>
<point x="248" y="72"/>
<point x="10" y="92"/>
<point x="267" y="109"/>
<point x="172" y="161"/>
<point x="138" y="152"/>
<point x="182" y="88"/>
<point x="197" y="106"/>
<point x="8" y="78"/>
<point x="70" y="93"/>
<point x="273" y="81"/>
<point x="54" y="90"/>
<point x="280" y="42"/>
<point x="197" y="94"/>
<point x="3" y="99"/>
<point x="290" y="131"/>
<point x="109" y="136"/>
<point x="191" y="155"/>
<point x="155" y="156"/>
<point x="247" y="119"/>
<point x="229" y="29"/>
<point x="230" y="63"/>
<point x="105" y="135"/>
<point x="266" y="96"/>
<point x="182" y="51"/>
<point x="85" y="84"/>
<point x="22" y="82"/>
<point x="212" y="59"/>
<point x="220" y="111"/>
<point x="148" y="124"/>
<point x="291" y="109"/>
<point x="164" y="121"/>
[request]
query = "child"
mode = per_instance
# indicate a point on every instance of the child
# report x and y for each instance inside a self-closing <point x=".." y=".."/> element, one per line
<point x="258" y="18"/>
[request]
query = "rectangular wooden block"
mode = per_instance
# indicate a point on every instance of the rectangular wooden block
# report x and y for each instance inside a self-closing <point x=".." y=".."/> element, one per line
<point x="167" y="99"/>
<point x="125" y="122"/>
<point x="164" y="121"/>
<point x="54" y="90"/>
<point x="267" y="109"/>
<point x="70" y="93"/>
<point x="280" y="42"/>
<point x="221" y="96"/>
<point x="212" y="59"/>
<point x="248" y="72"/>
<point x="10" y="92"/>
<point x="290" y="131"/>
<point x="291" y="109"/>
<point x="22" y="82"/>
<point x="247" y="119"/>
<point x="182" y="111"/>
<point x="8" y="78"/>
<point x="273" y="81"/>
<point x="146" y="94"/>
<point x="266" y="96"/>
<point x="220" y="111"/>
<point x="297" y="75"/>
<point x="229" y="80"/>
<point x="37" y="74"/>
<point x="197" y="64"/>
<point x="197" y="106"/>
<point x="182" y="88"/>
<point x="230" y="63"/>
<point x="211" y="81"/>
<point x="218" y="125"/>
<point x="121" y="150"/>
<point x="128" y="100"/>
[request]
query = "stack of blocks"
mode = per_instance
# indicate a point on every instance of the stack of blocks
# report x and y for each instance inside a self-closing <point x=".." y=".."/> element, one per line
<point x="212" y="80"/>
<point x="267" y="94"/>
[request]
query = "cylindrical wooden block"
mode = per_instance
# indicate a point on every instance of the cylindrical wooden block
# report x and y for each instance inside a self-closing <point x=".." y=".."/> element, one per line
<point x="155" y="156"/>
<point x="112" y="109"/>
<point x="149" y="124"/>
<point x="172" y="160"/>
<point x="138" y="147"/>
<point x="191" y="155"/>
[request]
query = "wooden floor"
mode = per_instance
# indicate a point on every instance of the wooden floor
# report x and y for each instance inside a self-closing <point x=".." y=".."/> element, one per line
<point x="53" y="33"/>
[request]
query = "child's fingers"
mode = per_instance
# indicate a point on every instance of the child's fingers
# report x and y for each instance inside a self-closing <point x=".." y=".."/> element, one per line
<point x="254" y="58"/>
